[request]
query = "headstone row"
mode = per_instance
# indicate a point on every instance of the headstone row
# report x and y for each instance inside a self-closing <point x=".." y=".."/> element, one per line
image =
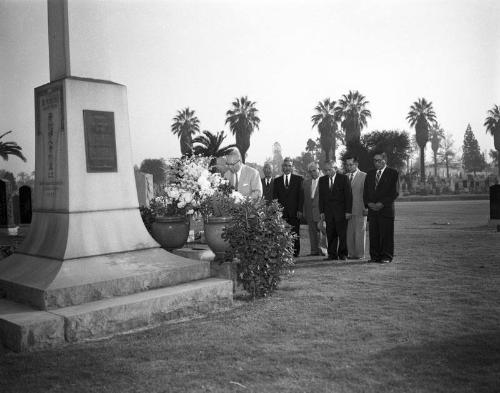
<point x="15" y="206"/>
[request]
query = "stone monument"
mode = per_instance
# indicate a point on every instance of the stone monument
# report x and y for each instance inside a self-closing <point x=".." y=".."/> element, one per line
<point x="495" y="205"/>
<point x="7" y="224"/>
<point x="88" y="257"/>
<point x="145" y="188"/>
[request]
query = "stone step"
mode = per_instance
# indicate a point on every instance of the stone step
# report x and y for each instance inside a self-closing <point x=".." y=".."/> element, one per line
<point x="49" y="284"/>
<point x="24" y="329"/>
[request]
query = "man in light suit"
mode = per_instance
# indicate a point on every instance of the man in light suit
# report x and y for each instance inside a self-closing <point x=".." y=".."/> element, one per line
<point x="311" y="208"/>
<point x="267" y="182"/>
<point x="244" y="179"/>
<point x="379" y="194"/>
<point x="288" y="191"/>
<point x="335" y="206"/>
<point x="356" y="226"/>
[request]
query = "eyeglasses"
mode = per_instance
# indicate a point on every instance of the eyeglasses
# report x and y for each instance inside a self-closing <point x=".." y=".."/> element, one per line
<point x="378" y="160"/>
<point x="232" y="163"/>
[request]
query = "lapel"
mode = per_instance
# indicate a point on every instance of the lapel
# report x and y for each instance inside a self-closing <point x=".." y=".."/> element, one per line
<point x="336" y="181"/>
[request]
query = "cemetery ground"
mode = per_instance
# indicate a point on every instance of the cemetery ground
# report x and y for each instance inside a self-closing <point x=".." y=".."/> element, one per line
<point x="428" y="322"/>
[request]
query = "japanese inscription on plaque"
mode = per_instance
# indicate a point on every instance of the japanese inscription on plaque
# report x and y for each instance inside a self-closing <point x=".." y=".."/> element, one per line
<point x="50" y="128"/>
<point x="100" y="143"/>
<point x="50" y="141"/>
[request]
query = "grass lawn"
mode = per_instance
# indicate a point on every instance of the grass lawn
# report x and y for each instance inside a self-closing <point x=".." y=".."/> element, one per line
<point x="429" y="322"/>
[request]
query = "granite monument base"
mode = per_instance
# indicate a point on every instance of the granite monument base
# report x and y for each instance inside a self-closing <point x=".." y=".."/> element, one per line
<point x="23" y="328"/>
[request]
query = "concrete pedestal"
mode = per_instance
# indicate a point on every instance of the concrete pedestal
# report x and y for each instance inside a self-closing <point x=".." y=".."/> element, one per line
<point x="88" y="257"/>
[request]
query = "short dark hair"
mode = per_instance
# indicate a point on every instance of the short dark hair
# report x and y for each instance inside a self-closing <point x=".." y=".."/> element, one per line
<point x="380" y="153"/>
<point x="349" y="156"/>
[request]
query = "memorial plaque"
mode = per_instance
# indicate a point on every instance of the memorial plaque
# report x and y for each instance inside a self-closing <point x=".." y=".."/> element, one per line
<point x="50" y="130"/>
<point x="100" y="143"/>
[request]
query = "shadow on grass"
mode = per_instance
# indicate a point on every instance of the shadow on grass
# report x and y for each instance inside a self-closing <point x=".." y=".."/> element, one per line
<point x="469" y="363"/>
<point x="321" y="263"/>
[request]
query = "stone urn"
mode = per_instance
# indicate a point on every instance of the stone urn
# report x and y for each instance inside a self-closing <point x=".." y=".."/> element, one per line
<point x="213" y="235"/>
<point x="171" y="232"/>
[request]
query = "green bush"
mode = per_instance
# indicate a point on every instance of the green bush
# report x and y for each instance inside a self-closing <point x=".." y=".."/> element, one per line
<point x="262" y="243"/>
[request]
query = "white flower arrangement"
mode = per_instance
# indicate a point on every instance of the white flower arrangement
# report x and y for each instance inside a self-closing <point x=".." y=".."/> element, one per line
<point x="190" y="186"/>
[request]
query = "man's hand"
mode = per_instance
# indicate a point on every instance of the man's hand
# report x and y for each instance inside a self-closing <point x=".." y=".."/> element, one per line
<point x="375" y="206"/>
<point x="299" y="215"/>
<point x="322" y="216"/>
<point x="348" y="216"/>
<point x="365" y="212"/>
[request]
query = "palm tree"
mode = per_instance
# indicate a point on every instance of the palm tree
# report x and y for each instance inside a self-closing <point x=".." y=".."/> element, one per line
<point x="185" y="125"/>
<point x="10" y="149"/>
<point x="209" y="145"/>
<point x="326" y="120"/>
<point x="242" y="119"/>
<point x="436" y="136"/>
<point x="421" y="116"/>
<point x="492" y="124"/>
<point x="352" y="109"/>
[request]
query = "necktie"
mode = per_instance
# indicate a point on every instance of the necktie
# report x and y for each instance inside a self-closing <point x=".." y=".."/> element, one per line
<point x="351" y="176"/>
<point x="377" y="177"/>
<point x="331" y="183"/>
<point x="286" y="181"/>
<point x="236" y="181"/>
<point x="268" y="182"/>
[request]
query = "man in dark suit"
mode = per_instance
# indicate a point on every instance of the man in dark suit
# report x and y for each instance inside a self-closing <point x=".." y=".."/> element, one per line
<point x="267" y="182"/>
<point x="335" y="206"/>
<point x="379" y="194"/>
<point x="287" y="190"/>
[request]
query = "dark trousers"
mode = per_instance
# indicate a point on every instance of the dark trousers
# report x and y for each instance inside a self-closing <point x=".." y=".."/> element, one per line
<point x="381" y="230"/>
<point x="295" y="223"/>
<point x="336" y="234"/>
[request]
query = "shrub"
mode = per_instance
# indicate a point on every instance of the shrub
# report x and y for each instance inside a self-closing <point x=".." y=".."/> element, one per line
<point x="262" y="243"/>
<point x="147" y="216"/>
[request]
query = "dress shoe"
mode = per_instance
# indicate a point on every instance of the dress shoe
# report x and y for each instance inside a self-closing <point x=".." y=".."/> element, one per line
<point x="386" y="260"/>
<point x="343" y="258"/>
<point x="329" y="258"/>
<point x="374" y="261"/>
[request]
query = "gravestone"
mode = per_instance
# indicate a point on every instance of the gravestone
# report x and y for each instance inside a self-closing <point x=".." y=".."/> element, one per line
<point x="25" y="211"/>
<point x="88" y="257"/>
<point x="494" y="205"/>
<point x="145" y="188"/>
<point x="15" y="209"/>
<point x="6" y="207"/>
<point x="3" y="203"/>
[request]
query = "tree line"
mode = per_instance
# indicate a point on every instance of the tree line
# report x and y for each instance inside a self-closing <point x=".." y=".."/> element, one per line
<point x="342" y="121"/>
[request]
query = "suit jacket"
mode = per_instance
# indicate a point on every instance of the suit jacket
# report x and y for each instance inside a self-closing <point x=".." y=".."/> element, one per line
<point x="267" y="190"/>
<point x="311" y="205"/>
<point x="249" y="182"/>
<point x="291" y="198"/>
<point x="357" y="186"/>
<point x="335" y="203"/>
<point x="386" y="191"/>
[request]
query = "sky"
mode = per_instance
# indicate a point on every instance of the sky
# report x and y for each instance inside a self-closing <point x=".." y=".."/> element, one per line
<point x="284" y="55"/>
